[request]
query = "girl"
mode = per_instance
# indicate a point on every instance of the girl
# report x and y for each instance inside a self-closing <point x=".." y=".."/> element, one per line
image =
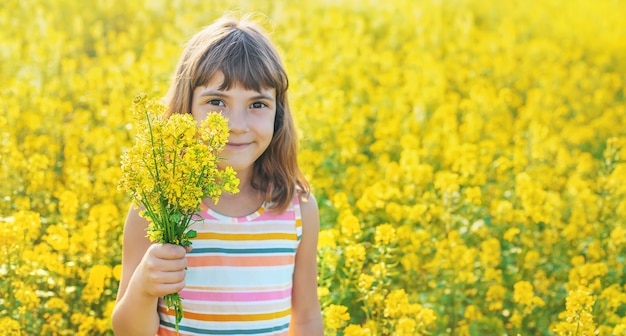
<point x="253" y="268"/>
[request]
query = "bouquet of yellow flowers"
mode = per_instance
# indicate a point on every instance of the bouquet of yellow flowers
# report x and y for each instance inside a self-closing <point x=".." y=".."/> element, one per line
<point x="171" y="168"/>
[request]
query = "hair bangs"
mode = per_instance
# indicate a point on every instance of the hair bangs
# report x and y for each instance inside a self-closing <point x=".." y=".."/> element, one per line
<point x="244" y="61"/>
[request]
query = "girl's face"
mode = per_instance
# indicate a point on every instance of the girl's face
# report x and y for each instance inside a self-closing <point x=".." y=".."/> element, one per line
<point x="250" y="119"/>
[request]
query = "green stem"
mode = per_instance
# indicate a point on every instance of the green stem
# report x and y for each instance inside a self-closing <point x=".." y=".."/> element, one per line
<point x="168" y="223"/>
<point x="156" y="166"/>
<point x="150" y="210"/>
<point x="578" y="320"/>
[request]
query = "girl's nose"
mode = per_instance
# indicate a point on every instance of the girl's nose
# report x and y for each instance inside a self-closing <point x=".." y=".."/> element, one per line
<point x="237" y="120"/>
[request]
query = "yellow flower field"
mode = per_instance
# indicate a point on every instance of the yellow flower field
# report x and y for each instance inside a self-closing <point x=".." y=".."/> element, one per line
<point x="468" y="156"/>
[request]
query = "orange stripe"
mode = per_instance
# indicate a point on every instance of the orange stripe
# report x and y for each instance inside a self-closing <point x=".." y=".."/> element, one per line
<point x="228" y="317"/>
<point x="247" y="236"/>
<point x="298" y="222"/>
<point x="278" y="260"/>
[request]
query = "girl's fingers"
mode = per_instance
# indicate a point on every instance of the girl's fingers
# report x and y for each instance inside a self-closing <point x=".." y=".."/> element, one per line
<point x="155" y="264"/>
<point x="167" y="288"/>
<point x="173" y="265"/>
<point x="172" y="288"/>
<point x="165" y="278"/>
<point x="168" y="251"/>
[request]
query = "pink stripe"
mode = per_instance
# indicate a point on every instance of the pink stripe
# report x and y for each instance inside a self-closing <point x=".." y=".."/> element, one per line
<point x="235" y="296"/>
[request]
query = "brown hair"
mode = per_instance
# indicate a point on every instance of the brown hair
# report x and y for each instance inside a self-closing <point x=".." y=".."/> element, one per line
<point x="244" y="54"/>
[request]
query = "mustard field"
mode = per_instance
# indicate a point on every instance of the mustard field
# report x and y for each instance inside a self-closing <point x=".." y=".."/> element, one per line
<point x="468" y="157"/>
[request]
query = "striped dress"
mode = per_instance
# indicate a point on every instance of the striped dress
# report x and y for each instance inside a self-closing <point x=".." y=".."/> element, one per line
<point x="239" y="275"/>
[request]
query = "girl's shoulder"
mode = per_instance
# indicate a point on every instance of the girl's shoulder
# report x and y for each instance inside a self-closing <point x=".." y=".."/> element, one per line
<point x="304" y="198"/>
<point x="308" y="208"/>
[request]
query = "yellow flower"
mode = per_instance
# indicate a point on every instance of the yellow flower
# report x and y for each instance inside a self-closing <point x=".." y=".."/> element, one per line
<point x="577" y="317"/>
<point x="516" y="319"/>
<point x="355" y="330"/>
<point x="57" y="303"/>
<point x="340" y="201"/>
<point x="587" y="274"/>
<point x="617" y="238"/>
<point x="396" y="211"/>
<point x="472" y="313"/>
<point x="614" y="296"/>
<point x="578" y="260"/>
<point x="404" y="234"/>
<point x="502" y="211"/>
<point x="396" y="304"/>
<point x="214" y="131"/>
<point x="490" y="253"/>
<point x="492" y="274"/>
<point x="327" y="239"/>
<point x="427" y="317"/>
<point x="322" y="292"/>
<point x="58" y="237"/>
<point x="26" y="295"/>
<point x="511" y="233"/>
<point x="329" y="259"/>
<point x="410" y="261"/>
<point x="447" y="182"/>
<point x="473" y="195"/>
<point x="117" y="272"/>
<point x="155" y="233"/>
<point x="335" y="316"/>
<point x="495" y="296"/>
<point x="620" y="329"/>
<point x="365" y="282"/>
<point x="54" y="324"/>
<point x="384" y="235"/>
<point x="68" y="205"/>
<point x="524" y="294"/>
<point x="406" y="326"/>
<point x="418" y="173"/>
<point x="354" y="255"/>
<point x="29" y="222"/>
<point x="530" y="259"/>
<point x="379" y="271"/>
<point x="418" y="212"/>
<point x="9" y="326"/>
<point x="98" y="274"/>
<point x="349" y="224"/>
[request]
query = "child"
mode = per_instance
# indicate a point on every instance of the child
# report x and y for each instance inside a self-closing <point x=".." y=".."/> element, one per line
<point x="252" y="269"/>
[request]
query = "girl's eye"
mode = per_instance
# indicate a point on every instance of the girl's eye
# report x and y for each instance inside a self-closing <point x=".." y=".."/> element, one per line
<point x="258" y="105"/>
<point x="215" y="102"/>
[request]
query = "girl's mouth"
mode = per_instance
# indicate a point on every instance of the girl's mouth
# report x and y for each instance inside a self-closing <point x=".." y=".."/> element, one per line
<point x="237" y="144"/>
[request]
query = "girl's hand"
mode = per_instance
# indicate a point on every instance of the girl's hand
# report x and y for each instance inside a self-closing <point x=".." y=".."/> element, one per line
<point x="161" y="271"/>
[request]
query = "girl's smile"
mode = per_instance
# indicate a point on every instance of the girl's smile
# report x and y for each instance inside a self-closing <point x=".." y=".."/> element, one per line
<point x="237" y="145"/>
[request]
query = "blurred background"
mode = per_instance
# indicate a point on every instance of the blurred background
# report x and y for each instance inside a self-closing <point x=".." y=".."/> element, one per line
<point x="468" y="157"/>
